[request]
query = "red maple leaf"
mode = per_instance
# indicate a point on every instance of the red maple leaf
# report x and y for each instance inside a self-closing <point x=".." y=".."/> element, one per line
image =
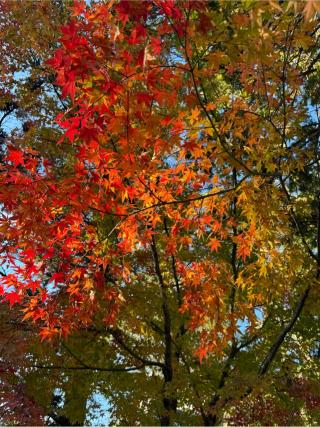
<point x="13" y="298"/>
<point x="15" y="157"/>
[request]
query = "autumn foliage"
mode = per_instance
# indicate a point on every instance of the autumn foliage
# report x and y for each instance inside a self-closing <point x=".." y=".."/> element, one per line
<point x="183" y="199"/>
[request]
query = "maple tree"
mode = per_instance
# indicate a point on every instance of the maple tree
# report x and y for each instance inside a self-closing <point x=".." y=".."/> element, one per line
<point x="168" y="221"/>
<point x="28" y="105"/>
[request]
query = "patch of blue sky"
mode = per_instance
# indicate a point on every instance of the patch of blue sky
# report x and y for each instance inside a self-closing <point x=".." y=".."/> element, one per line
<point x="11" y="122"/>
<point x="98" y="413"/>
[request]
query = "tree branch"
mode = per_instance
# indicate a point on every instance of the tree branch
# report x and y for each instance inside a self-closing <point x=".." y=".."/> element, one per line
<point x="88" y="368"/>
<point x="117" y="335"/>
<point x="265" y="365"/>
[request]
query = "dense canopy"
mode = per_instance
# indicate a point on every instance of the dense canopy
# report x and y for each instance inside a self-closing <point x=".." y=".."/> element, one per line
<point x="160" y="224"/>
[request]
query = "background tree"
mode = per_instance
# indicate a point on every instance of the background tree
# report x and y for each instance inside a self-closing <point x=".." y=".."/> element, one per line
<point x="29" y="102"/>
